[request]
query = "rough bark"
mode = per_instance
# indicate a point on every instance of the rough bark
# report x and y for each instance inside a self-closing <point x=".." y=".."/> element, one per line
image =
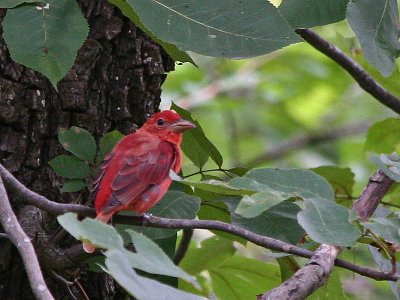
<point x="114" y="84"/>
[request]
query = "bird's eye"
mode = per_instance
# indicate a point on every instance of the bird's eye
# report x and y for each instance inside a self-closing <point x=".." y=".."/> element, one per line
<point x="160" y="122"/>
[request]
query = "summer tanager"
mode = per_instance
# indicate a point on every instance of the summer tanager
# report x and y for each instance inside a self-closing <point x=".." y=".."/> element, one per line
<point x="135" y="174"/>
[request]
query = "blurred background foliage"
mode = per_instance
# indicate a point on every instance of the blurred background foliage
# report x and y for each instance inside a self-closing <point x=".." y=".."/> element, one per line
<point x="291" y="108"/>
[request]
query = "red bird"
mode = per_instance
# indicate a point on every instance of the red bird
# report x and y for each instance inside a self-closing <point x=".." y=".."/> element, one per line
<point x="135" y="174"/>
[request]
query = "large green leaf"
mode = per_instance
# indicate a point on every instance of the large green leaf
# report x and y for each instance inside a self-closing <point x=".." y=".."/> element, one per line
<point x="226" y="28"/>
<point x="243" y="278"/>
<point x="148" y="256"/>
<point x="279" y="222"/>
<point x="174" y="205"/>
<point x="375" y="24"/>
<point x="253" y="205"/>
<point x="383" y="136"/>
<point x="13" y="3"/>
<point x="323" y="219"/>
<point x="69" y="166"/>
<point x="196" y="146"/>
<point x="310" y="13"/>
<point x="46" y="36"/>
<point x="171" y="49"/>
<point x="141" y="288"/>
<point x="79" y="142"/>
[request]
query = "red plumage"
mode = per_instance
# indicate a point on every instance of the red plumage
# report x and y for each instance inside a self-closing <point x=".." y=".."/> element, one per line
<point x="135" y="174"/>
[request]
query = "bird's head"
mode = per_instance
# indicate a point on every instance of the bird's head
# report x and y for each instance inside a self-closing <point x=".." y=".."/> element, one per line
<point x="167" y="125"/>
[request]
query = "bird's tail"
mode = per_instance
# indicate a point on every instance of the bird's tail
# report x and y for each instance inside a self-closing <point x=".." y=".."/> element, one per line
<point x="88" y="247"/>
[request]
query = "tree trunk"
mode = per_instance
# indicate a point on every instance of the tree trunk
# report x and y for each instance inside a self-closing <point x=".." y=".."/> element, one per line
<point x="112" y="85"/>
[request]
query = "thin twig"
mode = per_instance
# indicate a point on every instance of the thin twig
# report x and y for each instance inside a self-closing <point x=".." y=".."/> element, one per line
<point x="25" y="248"/>
<point x="365" y="81"/>
<point x="152" y="221"/>
<point x="183" y="246"/>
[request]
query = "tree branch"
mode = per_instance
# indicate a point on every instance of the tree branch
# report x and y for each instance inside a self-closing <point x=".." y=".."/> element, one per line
<point x="365" y="81"/>
<point x="317" y="271"/>
<point x="23" y="244"/>
<point x="304" y="140"/>
<point x="152" y="221"/>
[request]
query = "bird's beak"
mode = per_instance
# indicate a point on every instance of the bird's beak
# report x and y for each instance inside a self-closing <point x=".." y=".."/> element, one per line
<point x="182" y="125"/>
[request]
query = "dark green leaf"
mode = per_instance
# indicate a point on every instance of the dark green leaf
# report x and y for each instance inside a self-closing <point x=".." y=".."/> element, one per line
<point x="323" y="219"/>
<point x="73" y="185"/>
<point x="171" y="49"/>
<point x="376" y="25"/>
<point x="383" y="136"/>
<point x="46" y="37"/>
<point x="141" y="288"/>
<point x="14" y="3"/>
<point x="279" y="222"/>
<point x="311" y="13"/>
<point x="174" y="205"/>
<point x="223" y="28"/>
<point x="195" y="144"/>
<point x="79" y="142"/>
<point x="341" y="179"/>
<point x="107" y="142"/>
<point x="288" y="266"/>
<point x="69" y="166"/>
<point x="243" y="278"/>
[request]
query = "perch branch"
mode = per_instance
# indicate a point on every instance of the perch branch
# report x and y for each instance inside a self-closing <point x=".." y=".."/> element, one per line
<point x="152" y="221"/>
<point x="25" y="248"/>
<point x="317" y="271"/>
<point x="365" y="81"/>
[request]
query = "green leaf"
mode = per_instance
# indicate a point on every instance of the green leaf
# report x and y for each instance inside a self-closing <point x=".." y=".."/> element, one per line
<point x="195" y="144"/>
<point x="69" y="166"/>
<point x="279" y="222"/>
<point x="243" y="278"/>
<point x="253" y="205"/>
<point x="310" y="13"/>
<point x="211" y="253"/>
<point x="171" y="49"/>
<point x="174" y="205"/>
<point x="222" y="28"/>
<point x="323" y="219"/>
<point x="341" y="179"/>
<point x="152" y="259"/>
<point x="141" y="287"/>
<point x="108" y="142"/>
<point x="14" y="3"/>
<point x="375" y="24"/>
<point x="216" y="186"/>
<point x="383" y="136"/>
<point x="388" y="228"/>
<point x="99" y="234"/>
<point x="329" y="223"/>
<point x="74" y="185"/>
<point x="46" y="37"/>
<point x="288" y="266"/>
<point x="79" y="142"/>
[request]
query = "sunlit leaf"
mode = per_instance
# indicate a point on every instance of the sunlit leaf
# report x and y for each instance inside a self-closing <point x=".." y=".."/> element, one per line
<point x="341" y="179"/>
<point x="383" y="136"/>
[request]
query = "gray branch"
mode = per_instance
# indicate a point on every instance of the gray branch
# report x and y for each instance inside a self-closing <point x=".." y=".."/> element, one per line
<point x="25" y="248"/>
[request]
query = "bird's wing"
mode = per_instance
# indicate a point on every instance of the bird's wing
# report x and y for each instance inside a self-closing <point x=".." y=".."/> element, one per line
<point x="139" y="173"/>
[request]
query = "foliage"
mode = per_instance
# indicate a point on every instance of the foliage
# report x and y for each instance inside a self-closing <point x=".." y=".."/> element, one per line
<point x="290" y="204"/>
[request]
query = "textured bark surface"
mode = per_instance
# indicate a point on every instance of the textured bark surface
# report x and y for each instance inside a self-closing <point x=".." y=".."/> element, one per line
<point x="114" y="84"/>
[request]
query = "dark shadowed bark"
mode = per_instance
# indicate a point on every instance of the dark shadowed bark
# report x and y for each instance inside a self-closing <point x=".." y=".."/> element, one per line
<point x="114" y="84"/>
